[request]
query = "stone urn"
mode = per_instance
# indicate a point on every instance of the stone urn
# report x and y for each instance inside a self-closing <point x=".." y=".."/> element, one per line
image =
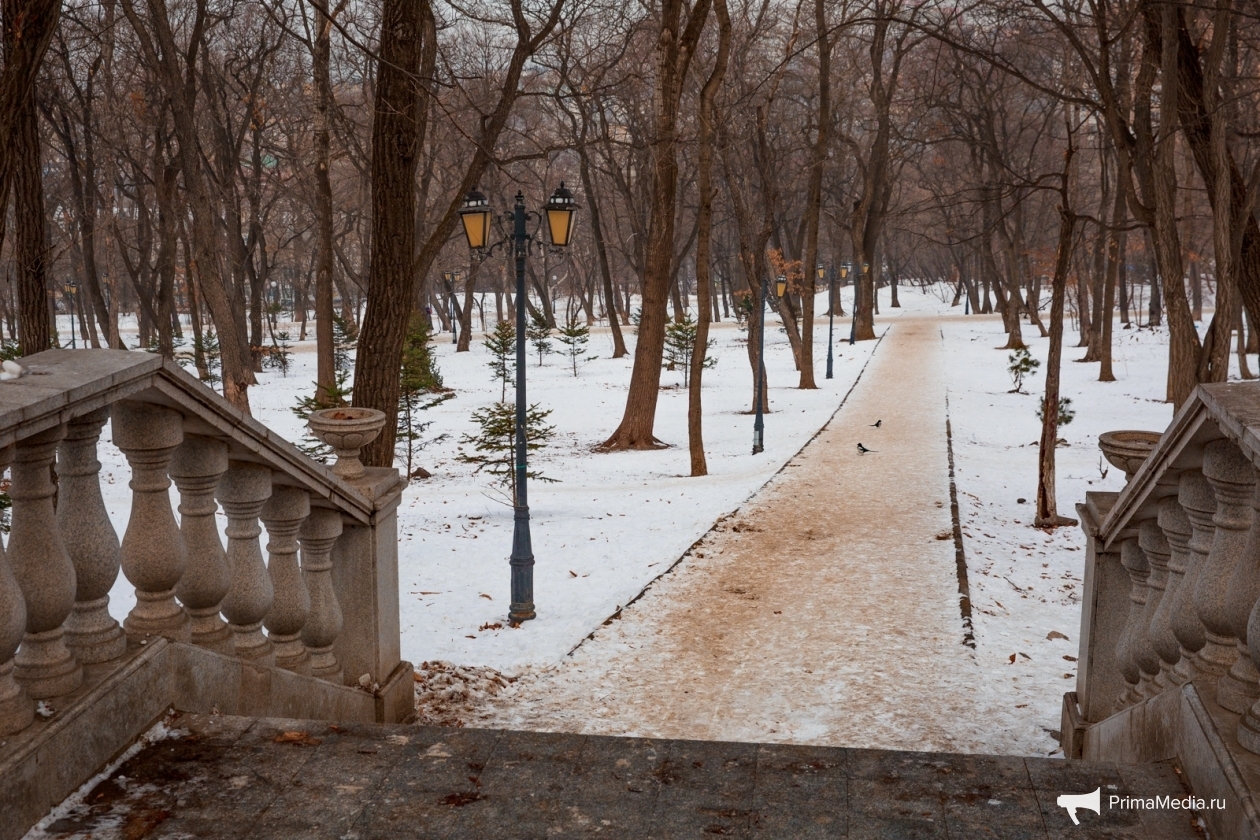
<point x="347" y="430"/>
<point x="1127" y="449"/>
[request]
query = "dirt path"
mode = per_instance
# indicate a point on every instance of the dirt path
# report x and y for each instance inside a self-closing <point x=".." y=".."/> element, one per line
<point x="825" y="612"/>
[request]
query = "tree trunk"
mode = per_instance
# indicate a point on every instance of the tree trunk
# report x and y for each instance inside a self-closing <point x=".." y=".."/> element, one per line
<point x="1047" y="506"/>
<point x="325" y="366"/>
<point x="704" y="234"/>
<point x="30" y="245"/>
<point x="813" y="208"/>
<point x="675" y="48"/>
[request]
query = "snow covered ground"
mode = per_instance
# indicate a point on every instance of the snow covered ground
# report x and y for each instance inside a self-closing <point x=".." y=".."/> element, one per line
<point x="616" y="521"/>
<point x="610" y="524"/>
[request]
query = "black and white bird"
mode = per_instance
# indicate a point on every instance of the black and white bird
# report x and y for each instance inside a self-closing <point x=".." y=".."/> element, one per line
<point x="862" y="450"/>
<point x="877" y="424"/>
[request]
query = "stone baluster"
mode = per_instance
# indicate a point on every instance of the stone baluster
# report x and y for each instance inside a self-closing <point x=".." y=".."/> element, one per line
<point x="1176" y="527"/>
<point x="1134" y="562"/>
<point x="1249" y="724"/>
<point x="153" y="555"/>
<point x="1199" y="504"/>
<point x="1233" y="480"/>
<point x="90" y="540"/>
<point x="196" y="467"/>
<point x="1155" y="548"/>
<point x="17" y="710"/>
<point x="1240" y="688"/>
<point x="243" y="491"/>
<point x="283" y="515"/>
<point x="318" y="535"/>
<point x="44" y="665"/>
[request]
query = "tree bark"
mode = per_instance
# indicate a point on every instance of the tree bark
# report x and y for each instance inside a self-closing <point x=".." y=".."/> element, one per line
<point x="1047" y="506"/>
<point x="704" y="235"/>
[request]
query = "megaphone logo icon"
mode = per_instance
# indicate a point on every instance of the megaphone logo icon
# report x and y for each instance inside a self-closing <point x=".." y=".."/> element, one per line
<point x="1071" y="801"/>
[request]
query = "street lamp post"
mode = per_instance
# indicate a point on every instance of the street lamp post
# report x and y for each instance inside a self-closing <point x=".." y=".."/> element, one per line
<point x="451" y="278"/>
<point x="70" y="288"/>
<point x="831" y="314"/>
<point x="759" y="425"/>
<point x="476" y="216"/>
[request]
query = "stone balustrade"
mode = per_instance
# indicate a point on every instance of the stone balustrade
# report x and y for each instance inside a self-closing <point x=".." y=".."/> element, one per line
<point x="317" y="604"/>
<point x="1170" y="628"/>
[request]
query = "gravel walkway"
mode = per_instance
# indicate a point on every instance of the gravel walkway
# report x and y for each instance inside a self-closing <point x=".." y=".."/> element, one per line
<point x="824" y="612"/>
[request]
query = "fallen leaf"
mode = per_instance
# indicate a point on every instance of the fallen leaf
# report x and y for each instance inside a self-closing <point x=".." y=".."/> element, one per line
<point x="303" y="738"/>
<point x="470" y="637"/>
<point x="1026" y="656"/>
<point x="1069" y="658"/>
<point x="944" y="535"/>
<point x="572" y="573"/>
<point x="1055" y="634"/>
<point x="491" y="626"/>
<point x="487" y="597"/>
<point x="1012" y="660"/>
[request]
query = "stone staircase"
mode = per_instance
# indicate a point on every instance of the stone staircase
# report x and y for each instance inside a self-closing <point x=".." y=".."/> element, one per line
<point x="263" y="779"/>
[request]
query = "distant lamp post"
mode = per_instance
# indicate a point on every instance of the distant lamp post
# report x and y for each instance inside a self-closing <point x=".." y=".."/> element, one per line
<point x="476" y="216"/>
<point x="759" y="425"/>
<point x="856" y="291"/>
<point x="831" y="314"/>
<point x="451" y="278"/>
<point x="69" y="295"/>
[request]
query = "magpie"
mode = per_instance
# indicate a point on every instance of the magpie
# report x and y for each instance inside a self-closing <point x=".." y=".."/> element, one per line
<point x="862" y="450"/>
<point x="877" y="424"/>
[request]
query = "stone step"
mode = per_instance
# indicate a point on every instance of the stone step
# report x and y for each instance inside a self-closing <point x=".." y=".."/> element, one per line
<point x="257" y="779"/>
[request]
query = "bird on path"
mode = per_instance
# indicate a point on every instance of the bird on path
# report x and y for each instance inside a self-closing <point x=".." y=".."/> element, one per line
<point x="877" y="424"/>
<point x="862" y="450"/>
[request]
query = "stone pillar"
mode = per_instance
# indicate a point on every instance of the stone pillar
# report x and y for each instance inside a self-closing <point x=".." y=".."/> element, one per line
<point x="1199" y="504"/>
<point x="1232" y="478"/>
<point x="196" y="468"/>
<point x="1131" y="641"/>
<point x="44" y="665"/>
<point x="1240" y="688"/>
<point x="1155" y="548"/>
<point x="17" y="710"/>
<point x="365" y="575"/>
<point x="283" y="515"/>
<point x="153" y="556"/>
<point x="319" y="532"/>
<point x="243" y="491"/>
<point x="90" y="540"/>
<point x="1176" y="527"/>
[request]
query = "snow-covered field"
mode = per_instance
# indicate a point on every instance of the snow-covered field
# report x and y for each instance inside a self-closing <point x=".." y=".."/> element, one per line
<point x="613" y="522"/>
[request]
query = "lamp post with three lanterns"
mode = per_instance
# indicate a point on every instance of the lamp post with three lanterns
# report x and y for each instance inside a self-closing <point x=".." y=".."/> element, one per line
<point x="477" y="217"/>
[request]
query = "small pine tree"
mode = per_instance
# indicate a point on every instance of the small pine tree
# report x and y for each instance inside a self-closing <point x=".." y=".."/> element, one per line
<point x="494" y="444"/>
<point x="635" y="317"/>
<point x="1021" y="365"/>
<point x="502" y="346"/>
<point x="539" y="336"/>
<point x="279" y="356"/>
<point x="680" y="341"/>
<point x="344" y="337"/>
<point x="209" y="349"/>
<point x="574" y="335"/>
<point x="419" y="382"/>
<point x="1066" y="413"/>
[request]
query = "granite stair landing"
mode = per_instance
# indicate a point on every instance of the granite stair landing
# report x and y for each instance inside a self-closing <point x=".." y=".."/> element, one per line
<point x="235" y="777"/>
